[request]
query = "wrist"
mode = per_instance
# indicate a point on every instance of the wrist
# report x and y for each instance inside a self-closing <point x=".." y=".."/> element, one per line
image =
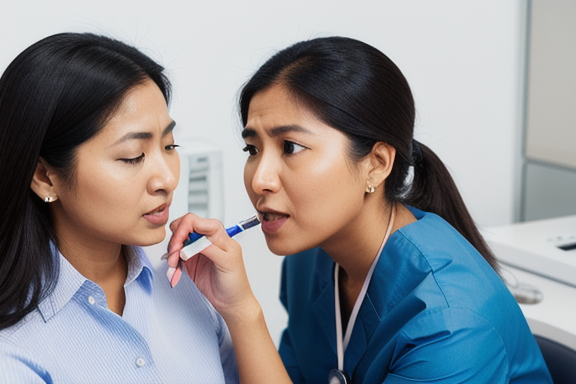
<point x="247" y="313"/>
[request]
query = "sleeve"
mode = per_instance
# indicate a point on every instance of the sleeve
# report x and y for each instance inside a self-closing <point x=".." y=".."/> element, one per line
<point x="453" y="346"/>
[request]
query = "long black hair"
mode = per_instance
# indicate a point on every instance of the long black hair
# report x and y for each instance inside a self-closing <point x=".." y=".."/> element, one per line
<point x="54" y="96"/>
<point x="355" y="88"/>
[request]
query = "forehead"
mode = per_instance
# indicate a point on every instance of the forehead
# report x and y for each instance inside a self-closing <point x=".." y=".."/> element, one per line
<point x="143" y="109"/>
<point x="274" y="106"/>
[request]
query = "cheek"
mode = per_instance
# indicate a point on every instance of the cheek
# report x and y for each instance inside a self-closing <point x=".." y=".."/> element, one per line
<point x="106" y="191"/>
<point x="176" y="169"/>
<point x="248" y="175"/>
<point x="325" y="179"/>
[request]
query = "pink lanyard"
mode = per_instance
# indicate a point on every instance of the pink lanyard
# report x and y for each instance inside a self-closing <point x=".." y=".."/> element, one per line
<point x="342" y="343"/>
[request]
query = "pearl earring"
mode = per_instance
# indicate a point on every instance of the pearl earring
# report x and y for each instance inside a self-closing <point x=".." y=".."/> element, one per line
<point x="49" y="199"/>
<point x="370" y="189"/>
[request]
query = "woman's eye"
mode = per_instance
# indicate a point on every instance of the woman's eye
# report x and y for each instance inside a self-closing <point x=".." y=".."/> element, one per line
<point x="291" y="147"/>
<point x="134" y="160"/>
<point x="250" y="149"/>
<point x="171" y="147"/>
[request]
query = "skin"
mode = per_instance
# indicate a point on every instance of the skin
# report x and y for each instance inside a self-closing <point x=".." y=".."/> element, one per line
<point x="122" y="189"/>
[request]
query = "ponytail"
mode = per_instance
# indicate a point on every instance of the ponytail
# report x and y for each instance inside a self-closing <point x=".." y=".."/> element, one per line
<point x="434" y="190"/>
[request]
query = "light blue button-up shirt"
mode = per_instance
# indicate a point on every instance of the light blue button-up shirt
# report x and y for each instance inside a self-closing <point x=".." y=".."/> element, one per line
<point x="165" y="335"/>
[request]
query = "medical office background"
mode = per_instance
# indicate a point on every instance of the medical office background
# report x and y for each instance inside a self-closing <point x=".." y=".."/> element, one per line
<point x="493" y="82"/>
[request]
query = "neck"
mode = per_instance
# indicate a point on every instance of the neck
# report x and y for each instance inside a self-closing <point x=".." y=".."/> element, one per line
<point x="356" y="247"/>
<point x="350" y="285"/>
<point x="106" y="267"/>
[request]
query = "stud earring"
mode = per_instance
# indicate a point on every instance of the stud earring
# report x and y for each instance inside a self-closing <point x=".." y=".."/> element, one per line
<point x="370" y="189"/>
<point x="49" y="199"/>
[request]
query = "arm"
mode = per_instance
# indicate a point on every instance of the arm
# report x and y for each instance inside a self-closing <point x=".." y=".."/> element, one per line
<point x="220" y="275"/>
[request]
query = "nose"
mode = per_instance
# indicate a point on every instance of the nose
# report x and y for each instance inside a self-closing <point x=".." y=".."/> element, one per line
<point x="263" y="175"/>
<point x="164" y="174"/>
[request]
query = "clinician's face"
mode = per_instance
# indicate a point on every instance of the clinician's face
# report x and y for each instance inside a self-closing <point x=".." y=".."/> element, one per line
<point x="124" y="177"/>
<point x="298" y="175"/>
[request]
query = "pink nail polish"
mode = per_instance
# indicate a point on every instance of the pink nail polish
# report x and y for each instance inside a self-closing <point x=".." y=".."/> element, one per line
<point x="176" y="277"/>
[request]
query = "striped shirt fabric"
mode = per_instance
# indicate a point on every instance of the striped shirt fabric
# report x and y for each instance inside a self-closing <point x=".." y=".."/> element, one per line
<point x="165" y="335"/>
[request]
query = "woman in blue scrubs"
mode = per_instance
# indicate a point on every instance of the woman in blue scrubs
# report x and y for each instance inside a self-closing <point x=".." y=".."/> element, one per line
<point x="388" y="279"/>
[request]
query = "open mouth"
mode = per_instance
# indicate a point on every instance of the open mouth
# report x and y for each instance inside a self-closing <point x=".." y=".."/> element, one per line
<point x="271" y="216"/>
<point x="157" y="211"/>
<point x="158" y="216"/>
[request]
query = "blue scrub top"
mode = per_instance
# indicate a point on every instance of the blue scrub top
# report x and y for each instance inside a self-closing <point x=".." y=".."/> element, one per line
<point x="435" y="311"/>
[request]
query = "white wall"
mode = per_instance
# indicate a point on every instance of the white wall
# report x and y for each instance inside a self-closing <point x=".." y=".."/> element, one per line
<point x="463" y="58"/>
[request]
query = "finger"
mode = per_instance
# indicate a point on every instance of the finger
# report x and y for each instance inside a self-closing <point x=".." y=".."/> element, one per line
<point x="174" y="275"/>
<point x="190" y="266"/>
<point x="180" y="228"/>
<point x="172" y="258"/>
<point x="174" y="223"/>
<point x="203" y="226"/>
<point x="227" y="257"/>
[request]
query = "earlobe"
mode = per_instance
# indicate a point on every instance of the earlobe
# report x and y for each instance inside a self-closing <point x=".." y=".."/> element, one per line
<point x="382" y="160"/>
<point x="41" y="183"/>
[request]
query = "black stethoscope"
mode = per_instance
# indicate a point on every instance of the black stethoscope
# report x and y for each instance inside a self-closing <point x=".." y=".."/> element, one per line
<point x="339" y="376"/>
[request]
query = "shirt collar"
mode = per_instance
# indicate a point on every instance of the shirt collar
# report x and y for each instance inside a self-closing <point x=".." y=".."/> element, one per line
<point x="138" y="265"/>
<point x="70" y="280"/>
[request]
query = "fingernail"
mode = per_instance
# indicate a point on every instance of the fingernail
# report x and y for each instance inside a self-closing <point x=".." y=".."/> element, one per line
<point x="165" y="256"/>
<point x="170" y="273"/>
<point x="176" y="277"/>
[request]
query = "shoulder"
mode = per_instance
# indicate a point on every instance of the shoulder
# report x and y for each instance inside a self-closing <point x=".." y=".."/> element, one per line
<point x="183" y="303"/>
<point x="431" y="234"/>
<point x="435" y="265"/>
<point x="432" y="246"/>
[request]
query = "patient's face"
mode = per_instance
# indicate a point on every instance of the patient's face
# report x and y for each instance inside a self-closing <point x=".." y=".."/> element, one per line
<point x="124" y="177"/>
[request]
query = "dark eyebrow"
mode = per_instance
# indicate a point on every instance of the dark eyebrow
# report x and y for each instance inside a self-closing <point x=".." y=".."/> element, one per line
<point x="169" y="128"/>
<point x="145" y="135"/>
<point x="276" y="131"/>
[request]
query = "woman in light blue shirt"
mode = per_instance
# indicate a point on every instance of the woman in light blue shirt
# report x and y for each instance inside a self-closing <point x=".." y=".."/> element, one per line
<point x="388" y="279"/>
<point x="89" y="166"/>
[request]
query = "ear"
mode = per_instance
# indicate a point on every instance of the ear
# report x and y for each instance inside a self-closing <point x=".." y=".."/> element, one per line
<point x="381" y="162"/>
<point x="41" y="183"/>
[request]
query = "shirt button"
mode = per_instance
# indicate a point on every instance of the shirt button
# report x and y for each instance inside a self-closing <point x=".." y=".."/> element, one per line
<point x="140" y="362"/>
<point x="91" y="300"/>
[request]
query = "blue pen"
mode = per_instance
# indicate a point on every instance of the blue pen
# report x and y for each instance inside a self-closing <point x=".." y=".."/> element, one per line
<point x="232" y="231"/>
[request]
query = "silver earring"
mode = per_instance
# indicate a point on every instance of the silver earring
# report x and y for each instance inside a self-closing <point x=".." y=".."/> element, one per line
<point x="370" y="189"/>
<point x="49" y="199"/>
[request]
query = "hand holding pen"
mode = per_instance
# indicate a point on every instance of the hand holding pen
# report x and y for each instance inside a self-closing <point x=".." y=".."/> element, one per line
<point x="195" y="243"/>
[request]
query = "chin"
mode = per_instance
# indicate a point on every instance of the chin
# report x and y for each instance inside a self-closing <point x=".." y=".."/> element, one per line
<point x="280" y="249"/>
<point x="154" y="237"/>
